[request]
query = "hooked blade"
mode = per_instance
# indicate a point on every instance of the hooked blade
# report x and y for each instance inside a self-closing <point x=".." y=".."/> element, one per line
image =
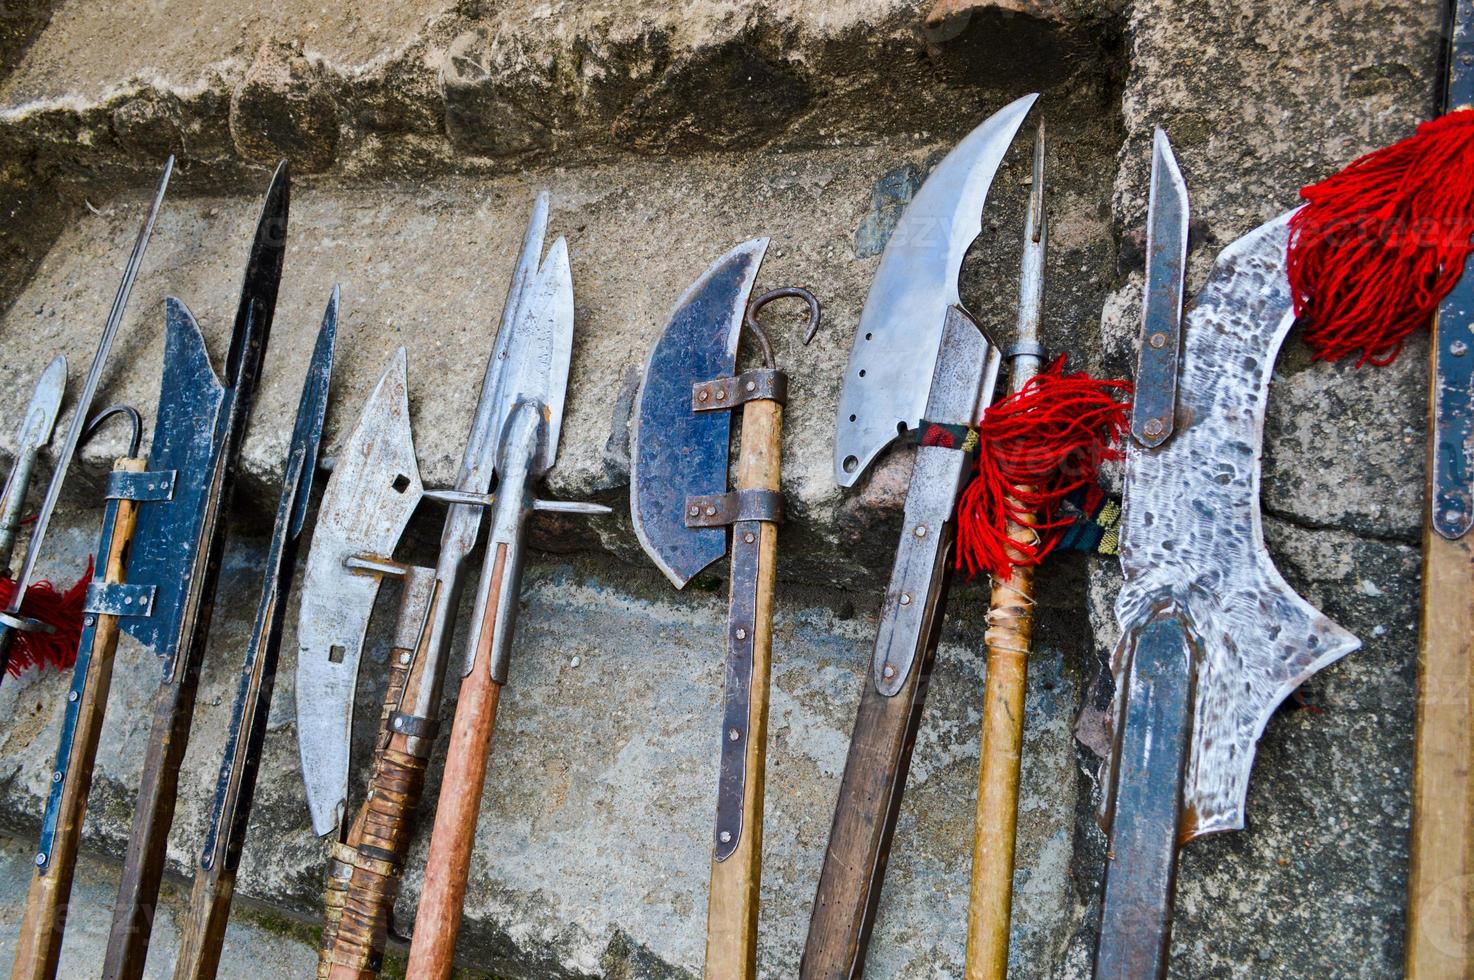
<point x="895" y="349"/>
<point x="1192" y="543"/>
<point x="678" y="452"/>
<point x="1155" y="401"/>
<point x="374" y="489"/>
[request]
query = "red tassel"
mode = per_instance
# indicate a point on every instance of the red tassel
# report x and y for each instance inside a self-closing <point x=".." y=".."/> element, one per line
<point x="1380" y="244"/>
<point x="1036" y="447"/>
<point x="62" y="610"/>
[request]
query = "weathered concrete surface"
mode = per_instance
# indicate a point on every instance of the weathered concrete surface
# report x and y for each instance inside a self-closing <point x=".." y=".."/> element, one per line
<point x="667" y="133"/>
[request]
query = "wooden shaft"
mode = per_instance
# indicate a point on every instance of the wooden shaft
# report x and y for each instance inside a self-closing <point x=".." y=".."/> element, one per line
<point x="448" y="865"/>
<point x="38" y="948"/>
<point x="1009" y="639"/>
<point x="732" y="909"/>
<point x="1440" y="924"/>
<point x="203" y="935"/>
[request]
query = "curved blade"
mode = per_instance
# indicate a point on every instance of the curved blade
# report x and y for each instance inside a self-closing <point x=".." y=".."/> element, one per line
<point x="900" y="331"/>
<point x="678" y="452"/>
<point x="374" y="489"/>
<point x="1192" y="542"/>
<point x="35" y="429"/>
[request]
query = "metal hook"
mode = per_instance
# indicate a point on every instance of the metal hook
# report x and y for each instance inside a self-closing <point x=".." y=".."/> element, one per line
<point x="135" y="424"/>
<point x="798" y="292"/>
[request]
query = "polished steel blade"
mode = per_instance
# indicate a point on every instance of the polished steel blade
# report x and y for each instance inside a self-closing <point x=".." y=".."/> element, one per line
<point x="895" y="347"/>
<point x="374" y="489"/>
<point x="1153" y="413"/>
<point x="1192" y="541"/>
<point x="35" y="429"/>
<point x="677" y="452"/>
<point x="89" y="389"/>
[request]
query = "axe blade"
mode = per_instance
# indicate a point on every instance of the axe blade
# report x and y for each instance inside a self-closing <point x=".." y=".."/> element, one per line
<point x="677" y="452"/>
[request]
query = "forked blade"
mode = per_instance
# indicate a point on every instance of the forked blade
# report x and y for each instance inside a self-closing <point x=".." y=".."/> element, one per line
<point x="678" y="452"/>
<point x="374" y="489"/>
<point x="895" y="348"/>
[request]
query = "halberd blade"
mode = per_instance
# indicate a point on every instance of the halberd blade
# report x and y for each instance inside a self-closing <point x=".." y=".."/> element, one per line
<point x="678" y="452"/>
<point x="1192" y="542"/>
<point x="895" y="347"/>
<point x="374" y="489"/>
<point x="166" y="539"/>
<point x="536" y="358"/>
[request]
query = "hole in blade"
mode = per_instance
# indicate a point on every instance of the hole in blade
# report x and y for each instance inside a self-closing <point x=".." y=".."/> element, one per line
<point x="401" y="483"/>
<point x="335" y="653"/>
<point x="850" y="463"/>
<point x="854" y="417"/>
<point x="862" y="372"/>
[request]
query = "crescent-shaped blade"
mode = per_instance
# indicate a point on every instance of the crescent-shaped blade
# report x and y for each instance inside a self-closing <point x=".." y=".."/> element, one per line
<point x="895" y="347"/>
<point x="678" y="452"/>
<point x="374" y="489"/>
<point x="1192" y="541"/>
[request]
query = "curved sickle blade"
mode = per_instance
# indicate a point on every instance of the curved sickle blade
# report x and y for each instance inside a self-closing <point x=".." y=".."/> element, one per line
<point x="374" y="489"/>
<point x="1192" y="539"/>
<point x="678" y="452"/>
<point x="900" y="331"/>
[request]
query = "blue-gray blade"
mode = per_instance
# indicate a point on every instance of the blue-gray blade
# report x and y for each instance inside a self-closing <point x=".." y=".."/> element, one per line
<point x="167" y="537"/>
<point x="1155" y="403"/>
<point x="678" y="452"/>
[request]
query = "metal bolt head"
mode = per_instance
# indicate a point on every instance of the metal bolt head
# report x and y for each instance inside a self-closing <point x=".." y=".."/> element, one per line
<point x="694" y="510"/>
<point x="1158" y="340"/>
<point x="752" y="386"/>
<point x="741" y="633"/>
<point x="749" y="537"/>
<point x="72" y="696"/>
<point x="1458" y="348"/>
<point x="40" y="858"/>
<point x="721" y="395"/>
<point x="404" y="657"/>
<point x="127" y="600"/>
<point x="920" y="531"/>
<point x="725" y="837"/>
<point x="1452" y="517"/>
<point x="1153" y="427"/>
<point x="56" y="777"/>
<point x="163" y="484"/>
<point x="398" y="724"/>
<point x="733" y="734"/>
<point x="703" y="395"/>
<point x="90" y="620"/>
<point x="905" y="598"/>
<point x="888" y="671"/>
<point x="710" y="510"/>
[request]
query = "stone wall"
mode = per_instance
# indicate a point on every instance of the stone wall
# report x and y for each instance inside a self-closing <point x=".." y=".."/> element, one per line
<point x="668" y="132"/>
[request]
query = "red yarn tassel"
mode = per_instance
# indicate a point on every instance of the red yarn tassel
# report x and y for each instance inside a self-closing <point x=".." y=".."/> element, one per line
<point x="62" y="610"/>
<point x="1380" y="244"/>
<point x="1036" y="447"/>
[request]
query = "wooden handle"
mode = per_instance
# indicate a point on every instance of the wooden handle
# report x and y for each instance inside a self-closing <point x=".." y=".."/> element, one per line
<point x="865" y="819"/>
<point x="732" y="909"/>
<point x="448" y="866"/>
<point x="38" y="948"/>
<point x="1009" y="638"/>
<point x="203" y="935"/>
<point x="1440" y="927"/>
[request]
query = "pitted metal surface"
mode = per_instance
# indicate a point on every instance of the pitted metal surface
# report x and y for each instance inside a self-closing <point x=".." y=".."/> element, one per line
<point x="1192" y="537"/>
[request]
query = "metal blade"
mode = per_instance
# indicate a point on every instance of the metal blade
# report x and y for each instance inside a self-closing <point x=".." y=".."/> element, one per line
<point x="1155" y="404"/>
<point x="262" y="279"/>
<point x="374" y="489"/>
<point x="166" y="540"/>
<point x="235" y="787"/>
<point x="536" y="358"/>
<point x="895" y="347"/>
<point x="1192" y="543"/>
<point x="89" y="389"/>
<point x="678" y="452"/>
<point x="33" y="433"/>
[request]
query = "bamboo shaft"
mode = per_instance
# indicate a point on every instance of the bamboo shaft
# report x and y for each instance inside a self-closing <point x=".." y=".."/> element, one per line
<point x="732" y="909"/>
<point x="38" y="948"/>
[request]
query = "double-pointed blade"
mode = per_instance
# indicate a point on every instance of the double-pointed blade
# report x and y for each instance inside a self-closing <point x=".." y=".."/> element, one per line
<point x="374" y="489"/>
<point x="1154" y="406"/>
<point x="895" y="348"/>
<point x="679" y="452"/>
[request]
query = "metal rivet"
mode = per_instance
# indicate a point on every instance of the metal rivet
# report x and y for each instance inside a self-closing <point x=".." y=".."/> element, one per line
<point x="703" y="395"/>
<point x="404" y="657"/>
<point x="1153" y="427"/>
<point x="710" y="510"/>
<point x="741" y="633"/>
<point x="734" y="734"/>
<point x="163" y="484"/>
<point x="56" y="776"/>
<point x="695" y="510"/>
<point x="71" y="695"/>
<point x="91" y="620"/>
<point x="888" y="671"/>
<point x="398" y="723"/>
<point x="152" y="487"/>
<point x="128" y="600"/>
<point x="920" y="531"/>
<point x="749" y="537"/>
<point x="1458" y="348"/>
<point x="752" y="386"/>
<point x="721" y="396"/>
<point x="1452" y="517"/>
<point x="40" y="859"/>
<point x="725" y="837"/>
<point x="905" y="598"/>
<point x="1158" y="340"/>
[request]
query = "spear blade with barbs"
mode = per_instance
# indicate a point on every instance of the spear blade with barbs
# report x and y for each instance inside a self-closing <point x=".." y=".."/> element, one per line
<point x="1213" y="638"/>
<point x="918" y="360"/>
<point x="12" y="619"/>
<point x="175" y="561"/>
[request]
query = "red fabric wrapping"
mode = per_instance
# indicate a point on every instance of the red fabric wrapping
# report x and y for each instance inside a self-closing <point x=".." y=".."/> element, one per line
<point x="1380" y="244"/>
<point x="1036" y="447"/>
<point x="62" y="610"/>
